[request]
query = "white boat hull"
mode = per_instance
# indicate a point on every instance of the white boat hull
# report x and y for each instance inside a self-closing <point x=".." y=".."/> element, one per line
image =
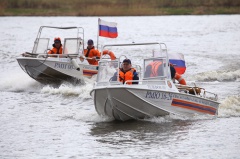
<point x="126" y="103"/>
<point x="55" y="70"/>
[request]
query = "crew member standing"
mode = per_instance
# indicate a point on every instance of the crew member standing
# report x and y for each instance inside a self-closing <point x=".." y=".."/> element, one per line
<point x="91" y="54"/>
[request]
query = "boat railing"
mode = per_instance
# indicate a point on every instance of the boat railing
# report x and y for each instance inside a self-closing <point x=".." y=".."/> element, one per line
<point x="57" y="55"/>
<point x="140" y="82"/>
<point x="215" y="96"/>
<point x="147" y="82"/>
<point x="28" y="54"/>
<point x="75" y="44"/>
<point x="197" y="91"/>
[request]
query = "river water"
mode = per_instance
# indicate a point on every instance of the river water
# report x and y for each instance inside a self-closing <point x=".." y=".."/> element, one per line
<point x="39" y="121"/>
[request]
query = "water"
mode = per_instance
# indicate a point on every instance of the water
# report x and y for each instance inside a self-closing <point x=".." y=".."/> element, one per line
<point x="39" y="121"/>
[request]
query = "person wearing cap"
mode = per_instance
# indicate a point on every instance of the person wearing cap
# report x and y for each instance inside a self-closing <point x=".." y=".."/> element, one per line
<point x="126" y="73"/>
<point x="91" y="53"/>
<point x="57" y="47"/>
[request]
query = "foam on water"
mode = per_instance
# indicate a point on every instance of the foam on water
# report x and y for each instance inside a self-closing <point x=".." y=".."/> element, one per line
<point x="18" y="82"/>
<point x="230" y="107"/>
<point x="216" y="75"/>
<point x="93" y="117"/>
<point x="163" y="119"/>
<point x="21" y="82"/>
<point x="67" y="89"/>
<point x="174" y="117"/>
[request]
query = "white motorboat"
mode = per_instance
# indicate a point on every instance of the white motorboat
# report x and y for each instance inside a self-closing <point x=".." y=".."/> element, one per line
<point x="57" y="68"/>
<point x="152" y="96"/>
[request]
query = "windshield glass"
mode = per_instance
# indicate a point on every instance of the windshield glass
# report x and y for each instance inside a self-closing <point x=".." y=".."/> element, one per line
<point x="41" y="45"/>
<point x="155" y="68"/>
<point x="107" y="72"/>
<point x="71" y="46"/>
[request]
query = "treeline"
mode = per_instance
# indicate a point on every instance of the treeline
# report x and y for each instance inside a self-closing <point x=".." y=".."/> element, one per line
<point x="117" y="7"/>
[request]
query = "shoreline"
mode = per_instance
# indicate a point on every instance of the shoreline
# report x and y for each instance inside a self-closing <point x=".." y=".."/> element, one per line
<point x="117" y="7"/>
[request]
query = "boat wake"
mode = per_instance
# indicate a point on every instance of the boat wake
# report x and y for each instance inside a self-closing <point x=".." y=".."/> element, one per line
<point x="68" y="89"/>
<point x="19" y="82"/>
<point x="230" y="107"/>
<point x="174" y="117"/>
<point x="217" y="76"/>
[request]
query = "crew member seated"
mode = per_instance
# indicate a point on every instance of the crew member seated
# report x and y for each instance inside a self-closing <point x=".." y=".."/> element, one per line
<point x="126" y="73"/>
<point x="155" y="69"/>
<point x="57" y="46"/>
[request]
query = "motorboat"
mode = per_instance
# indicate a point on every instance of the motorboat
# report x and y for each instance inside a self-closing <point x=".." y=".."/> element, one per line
<point x="57" y="68"/>
<point x="153" y="96"/>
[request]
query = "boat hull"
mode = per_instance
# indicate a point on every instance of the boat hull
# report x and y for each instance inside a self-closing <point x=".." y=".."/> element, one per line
<point x="55" y="70"/>
<point x="124" y="103"/>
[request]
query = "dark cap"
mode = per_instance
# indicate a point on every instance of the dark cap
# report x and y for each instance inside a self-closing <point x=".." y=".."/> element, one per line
<point x="127" y="61"/>
<point x="90" y="42"/>
<point x="57" y="41"/>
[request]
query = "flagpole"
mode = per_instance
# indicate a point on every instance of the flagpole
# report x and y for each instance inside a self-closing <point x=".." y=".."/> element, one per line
<point x="98" y="33"/>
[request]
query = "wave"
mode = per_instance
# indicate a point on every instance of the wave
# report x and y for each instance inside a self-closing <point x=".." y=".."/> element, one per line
<point x="19" y="82"/>
<point x="230" y="107"/>
<point x="175" y="117"/>
<point x="67" y="89"/>
<point x="217" y="76"/>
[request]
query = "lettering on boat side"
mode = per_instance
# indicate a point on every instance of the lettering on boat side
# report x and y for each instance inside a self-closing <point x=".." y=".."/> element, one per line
<point x="156" y="87"/>
<point x="170" y="96"/>
<point x="193" y="99"/>
<point x="64" y="66"/>
<point x="158" y="95"/>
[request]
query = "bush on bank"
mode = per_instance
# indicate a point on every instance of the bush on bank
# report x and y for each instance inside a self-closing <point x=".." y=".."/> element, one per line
<point x="117" y="7"/>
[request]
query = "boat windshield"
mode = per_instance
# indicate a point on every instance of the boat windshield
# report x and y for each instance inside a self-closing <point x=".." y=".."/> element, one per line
<point x="155" y="68"/>
<point x="71" y="39"/>
<point x="41" y="45"/>
<point x="72" y="46"/>
<point x="107" y="72"/>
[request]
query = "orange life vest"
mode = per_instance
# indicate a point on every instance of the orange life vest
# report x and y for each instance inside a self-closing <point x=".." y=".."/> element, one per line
<point x="90" y="53"/>
<point x="126" y="76"/>
<point x="180" y="79"/>
<point x="109" y="53"/>
<point x="155" y="65"/>
<point x="54" y="50"/>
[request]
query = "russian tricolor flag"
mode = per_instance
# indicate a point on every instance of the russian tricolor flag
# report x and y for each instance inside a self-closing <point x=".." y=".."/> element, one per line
<point x="107" y="29"/>
<point x="178" y="62"/>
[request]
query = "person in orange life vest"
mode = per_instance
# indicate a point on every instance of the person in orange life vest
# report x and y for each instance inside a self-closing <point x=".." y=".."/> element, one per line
<point x="155" y="69"/>
<point x="57" y="47"/>
<point x="126" y="73"/>
<point x="91" y="53"/>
